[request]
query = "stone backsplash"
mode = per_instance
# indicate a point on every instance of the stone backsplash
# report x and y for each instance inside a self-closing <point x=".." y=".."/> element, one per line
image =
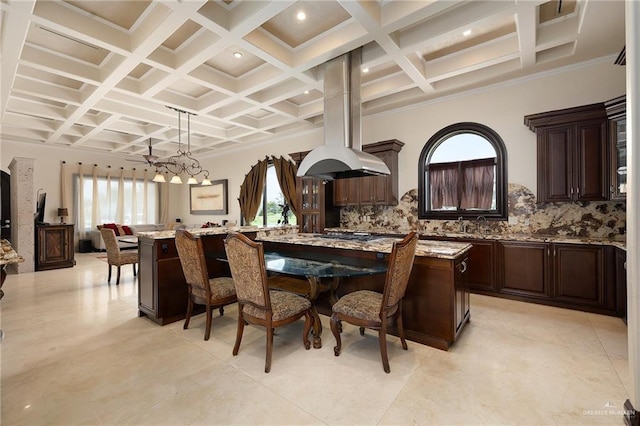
<point x="599" y="219"/>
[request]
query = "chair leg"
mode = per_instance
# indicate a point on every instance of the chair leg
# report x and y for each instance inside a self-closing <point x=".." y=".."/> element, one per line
<point x="267" y="362"/>
<point x="382" y="337"/>
<point x="118" y="276"/>
<point x="362" y="331"/>
<point x="308" y="322"/>
<point x="221" y="309"/>
<point x="207" y="330"/>
<point x="401" y="331"/>
<point x="239" y="331"/>
<point x="189" y="312"/>
<point x="109" y="277"/>
<point x="335" y="329"/>
<point x="134" y="270"/>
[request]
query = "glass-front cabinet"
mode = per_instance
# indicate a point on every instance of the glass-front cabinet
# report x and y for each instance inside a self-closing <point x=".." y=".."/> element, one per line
<point x="316" y="212"/>
<point x="617" y="112"/>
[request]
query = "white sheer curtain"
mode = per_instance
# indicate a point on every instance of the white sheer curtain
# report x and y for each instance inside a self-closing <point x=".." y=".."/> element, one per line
<point x="120" y="203"/>
<point x="95" y="205"/>
<point x="128" y="199"/>
<point x="81" y="229"/>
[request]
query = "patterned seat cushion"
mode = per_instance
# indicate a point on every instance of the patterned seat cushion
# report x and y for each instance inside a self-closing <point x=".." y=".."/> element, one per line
<point x="283" y="305"/>
<point x="221" y="287"/>
<point x="362" y="304"/>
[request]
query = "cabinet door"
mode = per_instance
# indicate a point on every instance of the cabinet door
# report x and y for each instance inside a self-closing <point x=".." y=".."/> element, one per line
<point x="461" y="293"/>
<point x="618" y="175"/>
<point x="590" y="181"/>
<point x="579" y="275"/>
<point x="481" y="261"/>
<point x="555" y="165"/>
<point x="346" y="192"/>
<point x="621" y="282"/>
<point x="524" y="269"/>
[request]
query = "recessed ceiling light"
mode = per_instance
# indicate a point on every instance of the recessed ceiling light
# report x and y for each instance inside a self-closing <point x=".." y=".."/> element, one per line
<point x="466" y="33"/>
<point x="237" y="54"/>
<point x="301" y="16"/>
<point x="365" y="69"/>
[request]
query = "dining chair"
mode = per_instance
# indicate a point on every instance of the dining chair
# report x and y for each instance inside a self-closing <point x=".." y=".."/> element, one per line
<point x="115" y="257"/>
<point x="257" y="304"/>
<point x="211" y="292"/>
<point x="378" y="311"/>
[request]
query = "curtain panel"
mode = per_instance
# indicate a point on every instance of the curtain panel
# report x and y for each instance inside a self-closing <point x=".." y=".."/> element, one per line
<point x="251" y="190"/>
<point x="443" y="179"/>
<point x="286" y="173"/>
<point x="478" y="184"/>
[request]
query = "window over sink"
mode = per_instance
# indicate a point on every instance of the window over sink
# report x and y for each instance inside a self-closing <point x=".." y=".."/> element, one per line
<point x="462" y="172"/>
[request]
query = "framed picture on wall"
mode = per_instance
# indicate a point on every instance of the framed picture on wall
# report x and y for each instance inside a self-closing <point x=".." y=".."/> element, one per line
<point x="209" y="199"/>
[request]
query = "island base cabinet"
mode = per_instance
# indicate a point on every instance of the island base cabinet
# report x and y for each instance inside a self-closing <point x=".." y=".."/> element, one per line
<point x="162" y="292"/>
<point x="436" y="304"/>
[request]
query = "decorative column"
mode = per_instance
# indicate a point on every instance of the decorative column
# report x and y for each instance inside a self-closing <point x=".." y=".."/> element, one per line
<point x="22" y="209"/>
<point x="632" y="20"/>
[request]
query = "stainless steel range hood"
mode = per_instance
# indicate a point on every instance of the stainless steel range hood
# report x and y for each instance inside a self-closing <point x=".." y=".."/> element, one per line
<point x="341" y="156"/>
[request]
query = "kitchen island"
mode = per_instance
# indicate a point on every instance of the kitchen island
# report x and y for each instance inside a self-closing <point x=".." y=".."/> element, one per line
<point x="162" y="289"/>
<point x="436" y="303"/>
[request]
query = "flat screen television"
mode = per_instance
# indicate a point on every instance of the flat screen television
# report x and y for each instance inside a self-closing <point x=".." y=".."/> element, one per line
<point x="42" y="199"/>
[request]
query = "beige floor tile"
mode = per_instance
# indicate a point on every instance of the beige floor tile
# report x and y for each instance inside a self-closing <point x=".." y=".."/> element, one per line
<point x="76" y="352"/>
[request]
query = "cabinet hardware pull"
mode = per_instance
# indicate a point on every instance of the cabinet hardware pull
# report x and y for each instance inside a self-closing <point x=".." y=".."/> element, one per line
<point x="463" y="267"/>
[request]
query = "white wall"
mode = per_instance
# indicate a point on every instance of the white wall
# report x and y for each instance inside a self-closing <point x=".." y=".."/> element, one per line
<point x="501" y="107"/>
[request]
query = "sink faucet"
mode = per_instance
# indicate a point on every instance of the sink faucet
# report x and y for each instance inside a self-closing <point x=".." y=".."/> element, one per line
<point x="482" y="228"/>
<point x="461" y="226"/>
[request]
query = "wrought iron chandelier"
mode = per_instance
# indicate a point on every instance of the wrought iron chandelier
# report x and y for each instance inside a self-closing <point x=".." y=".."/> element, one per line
<point x="183" y="161"/>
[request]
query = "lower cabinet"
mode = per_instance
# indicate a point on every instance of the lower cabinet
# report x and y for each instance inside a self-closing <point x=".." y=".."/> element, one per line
<point x="54" y="247"/>
<point x="573" y="276"/>
<point x="524" y="269"/>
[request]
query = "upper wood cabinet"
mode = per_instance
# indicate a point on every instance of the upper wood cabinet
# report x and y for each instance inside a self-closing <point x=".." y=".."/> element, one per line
<point x="617" y="113"/>
<point x="372" y="190"/>
<point x="314" y="197"/>
<point x="573" y="154"/>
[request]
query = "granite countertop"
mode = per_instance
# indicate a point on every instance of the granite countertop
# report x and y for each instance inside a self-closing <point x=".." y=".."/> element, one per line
<point x="620" y="241"/>
<point x="439" y="249"/>
<point x="221" y="230"/>
<point x="8" y="254"/>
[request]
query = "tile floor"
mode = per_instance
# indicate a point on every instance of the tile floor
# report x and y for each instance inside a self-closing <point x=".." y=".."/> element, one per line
<point x="76" y="353"/>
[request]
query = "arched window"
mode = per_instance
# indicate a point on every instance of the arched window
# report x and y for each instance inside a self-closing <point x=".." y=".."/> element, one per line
<point x="462" y="172"/>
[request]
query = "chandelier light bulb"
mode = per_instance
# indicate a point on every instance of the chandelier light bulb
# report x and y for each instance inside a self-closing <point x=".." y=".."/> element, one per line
<point x="175" y="179"/>
<point x="192" y="181"/>
<point x="159" y="177"/>
<point x="206" y="182"/>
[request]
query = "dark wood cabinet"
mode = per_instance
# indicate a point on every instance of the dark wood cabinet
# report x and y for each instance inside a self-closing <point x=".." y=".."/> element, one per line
<point x="617" y="114"/>
<point x="54" y="246"/>
<point x="524" y="269"/>
<point x="372" y="190"/>
<point x="461" y="295"/>
<point x="579" y="275"/>
<point x="572" y="153"/>
<point x="621" y="282"/>
<point x="315" y="201"/>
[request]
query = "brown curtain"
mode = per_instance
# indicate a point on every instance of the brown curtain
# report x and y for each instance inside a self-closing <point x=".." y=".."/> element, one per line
<point x="443" y="183"/>
<point x="477" y="187"/>
<point x="286" y="172"/>
<point x="251" y="191"/>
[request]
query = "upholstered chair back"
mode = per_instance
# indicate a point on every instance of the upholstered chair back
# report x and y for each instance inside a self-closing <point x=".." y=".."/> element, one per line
<point x="194" y="264"/>
<point x="246" y="261"/>
<point x="400" y="266"/>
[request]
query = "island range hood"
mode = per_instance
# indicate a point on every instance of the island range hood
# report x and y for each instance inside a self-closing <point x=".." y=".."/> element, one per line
<point x="341" y="156"/>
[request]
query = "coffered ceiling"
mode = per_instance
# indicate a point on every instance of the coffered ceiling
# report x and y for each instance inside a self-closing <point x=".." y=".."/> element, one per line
<point x="98" y="75"/>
